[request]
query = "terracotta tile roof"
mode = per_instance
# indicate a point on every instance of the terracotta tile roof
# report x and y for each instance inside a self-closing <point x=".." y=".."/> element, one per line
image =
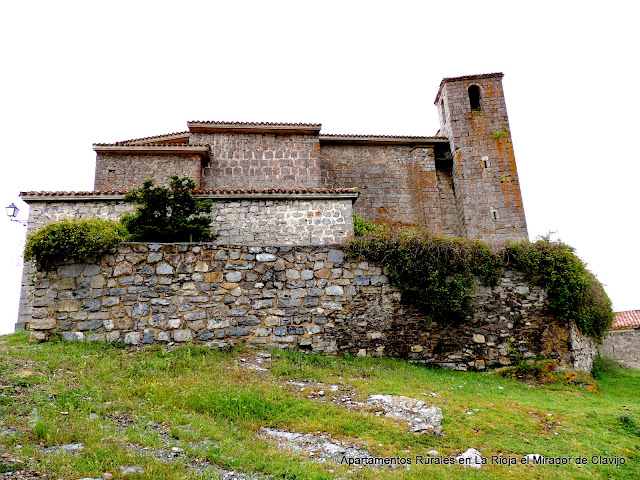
<point x="145" y="144"/>
<point x="255" y="127"/>
<point x="79" y="194"/>
<point x="216" y="122"/>
<point x="279" y="190"/>
<point x="628" y="319"/>
<point x="380" y="139"/>
<point x="471" y="77"/>
<point x="465" y="77"/>
<point x="166" y="136"/>
<point x="197" y="192"/>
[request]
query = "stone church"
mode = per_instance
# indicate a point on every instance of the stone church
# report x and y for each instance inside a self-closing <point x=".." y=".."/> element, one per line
<point x="461" y="182"/>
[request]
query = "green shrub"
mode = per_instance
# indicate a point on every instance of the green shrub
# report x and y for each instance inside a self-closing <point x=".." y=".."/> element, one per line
<point x="433" y="273"/>
<point x="574" y="292"/>
<point x="436" y="274"/>
<point x="73" y="239"/>
<point x="364" y="227"/>
<point x="168" y="214"/>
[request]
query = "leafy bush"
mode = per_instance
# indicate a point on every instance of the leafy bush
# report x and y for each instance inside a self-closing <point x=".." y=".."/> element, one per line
<point x="437" y="274"/>
<point x="168" y="214"/>
<point x="73" y="239"/>
<point x="433" y="273"/>
<point x="364" y="227"/>
<point x="574" y="292"/>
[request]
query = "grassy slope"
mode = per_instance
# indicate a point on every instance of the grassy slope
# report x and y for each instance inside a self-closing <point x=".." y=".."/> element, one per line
<point x="211" y="405"/>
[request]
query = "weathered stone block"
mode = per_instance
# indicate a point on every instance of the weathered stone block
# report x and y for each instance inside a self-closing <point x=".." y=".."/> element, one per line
<point x="248" y="321"/>
<point x="68" y="306"/>
<point x="334" y="290"/>
<point x="335" y="256"/>
<point x="73" y="336"/>
<point x="90" y="325"/>
<point x="196" y="315"/>
<point x="91" y="305"/>
<point x="164" y="269"/>
<point x="42" y="323"/>
<point x="147" y="337"/>
<point x="182" y="336"/>
<point x="73" y="270"/>
<point x="140" y="310"/>
<point x="216" y="323"/>
<point x="237" y="331"/>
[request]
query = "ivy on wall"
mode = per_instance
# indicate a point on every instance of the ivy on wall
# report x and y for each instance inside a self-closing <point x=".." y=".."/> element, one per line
<point x="436" y="274"/>
<point x="574" y="292"/>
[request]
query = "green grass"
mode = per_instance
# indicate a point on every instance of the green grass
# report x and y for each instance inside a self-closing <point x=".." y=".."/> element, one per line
<point x="212" y="406"/>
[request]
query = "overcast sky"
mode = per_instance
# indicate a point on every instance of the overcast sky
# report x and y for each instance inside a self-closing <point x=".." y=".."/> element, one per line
<point x="77" y="73"/>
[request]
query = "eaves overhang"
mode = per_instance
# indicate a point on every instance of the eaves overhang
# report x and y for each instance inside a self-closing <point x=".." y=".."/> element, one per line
<point x="381" y="140"/>
<point x="154" y="149"/>
<point x="259" y="127"/>
<point x="267" y="194"/>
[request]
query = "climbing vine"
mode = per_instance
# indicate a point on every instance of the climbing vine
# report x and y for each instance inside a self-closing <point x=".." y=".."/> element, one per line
<point x="574" y="292"/>
<point x="436" y="274"/>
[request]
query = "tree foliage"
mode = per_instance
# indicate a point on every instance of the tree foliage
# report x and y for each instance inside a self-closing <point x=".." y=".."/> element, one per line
<point x="168" y="214"/>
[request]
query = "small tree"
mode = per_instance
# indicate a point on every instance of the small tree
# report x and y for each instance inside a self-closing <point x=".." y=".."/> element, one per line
<point x="168" y="214"/>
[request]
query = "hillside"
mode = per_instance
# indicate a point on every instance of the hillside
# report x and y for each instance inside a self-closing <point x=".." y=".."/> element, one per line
<point x="77" y="411"/>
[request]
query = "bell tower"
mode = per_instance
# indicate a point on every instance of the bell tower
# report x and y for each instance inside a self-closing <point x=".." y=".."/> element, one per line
<point x="473" y="115"/>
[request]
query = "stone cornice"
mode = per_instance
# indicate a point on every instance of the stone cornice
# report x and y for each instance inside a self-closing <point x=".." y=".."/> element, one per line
<point x="159" y="149"/>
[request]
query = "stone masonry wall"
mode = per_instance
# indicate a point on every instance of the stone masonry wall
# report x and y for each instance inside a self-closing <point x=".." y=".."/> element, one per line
<point x="257" y="221"/>
<point x="623" y="346"/>
<point x="382" y="175"/>
<point x="484" y="168"/>
<point x="124" y="172"/>
<point x="283" y="222"/>
<point x="310" y="298"/>
<point x="260" y="161"/>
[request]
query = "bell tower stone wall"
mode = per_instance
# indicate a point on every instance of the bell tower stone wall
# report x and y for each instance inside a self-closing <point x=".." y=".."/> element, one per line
<point x="473" y="115"/>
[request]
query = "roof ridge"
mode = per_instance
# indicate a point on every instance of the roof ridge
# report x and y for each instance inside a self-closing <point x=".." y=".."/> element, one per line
<point x="124" y="142"/>
<point x="149" y="144"/>
<point x="379" y="136"/>
<point x="218" y="122"/>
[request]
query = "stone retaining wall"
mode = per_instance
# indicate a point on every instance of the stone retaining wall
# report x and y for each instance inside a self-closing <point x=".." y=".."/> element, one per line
<point x="310" y="298"/>
<point x="623" y="346"/>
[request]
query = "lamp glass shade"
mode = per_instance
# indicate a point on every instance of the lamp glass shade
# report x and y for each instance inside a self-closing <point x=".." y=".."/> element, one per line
<point x="12" y="210"/>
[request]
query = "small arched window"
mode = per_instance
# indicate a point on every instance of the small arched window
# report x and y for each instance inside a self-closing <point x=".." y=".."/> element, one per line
<point x="474" y="97"/>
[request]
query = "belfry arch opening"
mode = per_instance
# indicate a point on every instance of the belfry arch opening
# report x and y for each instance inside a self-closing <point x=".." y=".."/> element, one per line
<point x="474" y="97"/>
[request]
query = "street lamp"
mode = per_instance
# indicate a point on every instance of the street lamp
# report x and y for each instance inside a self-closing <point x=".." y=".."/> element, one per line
<point x="12" y="213"/>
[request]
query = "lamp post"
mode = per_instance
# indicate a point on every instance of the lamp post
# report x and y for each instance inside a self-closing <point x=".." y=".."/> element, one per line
<point x="12" y="213"/>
